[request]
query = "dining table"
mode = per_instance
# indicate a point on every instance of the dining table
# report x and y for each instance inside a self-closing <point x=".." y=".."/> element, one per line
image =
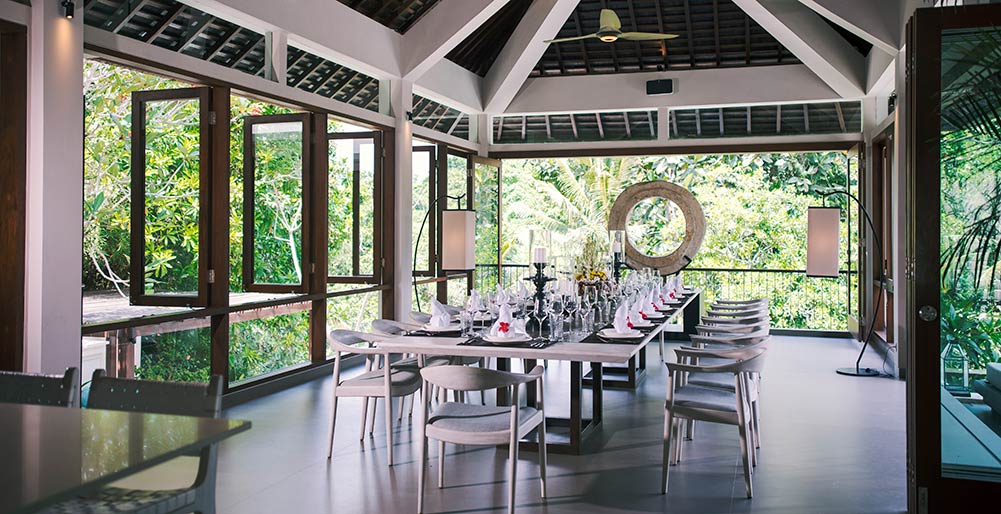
<point x="52" y="454"/>
<point x="576" y="433"/>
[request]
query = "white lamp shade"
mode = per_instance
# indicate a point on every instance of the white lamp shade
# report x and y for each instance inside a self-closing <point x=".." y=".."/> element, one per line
<point x="457" y="237"/>
<point x="823" y="241"/>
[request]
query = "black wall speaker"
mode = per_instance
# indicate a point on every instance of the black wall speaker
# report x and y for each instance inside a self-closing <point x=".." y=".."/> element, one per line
<point x="660" y="87"/>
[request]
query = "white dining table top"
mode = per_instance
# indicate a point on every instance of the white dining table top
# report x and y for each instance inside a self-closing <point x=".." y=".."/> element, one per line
<point x="607" y="353"/>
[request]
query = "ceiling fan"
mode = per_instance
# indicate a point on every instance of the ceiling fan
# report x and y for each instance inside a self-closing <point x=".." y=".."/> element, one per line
<point x="609" y="31"/>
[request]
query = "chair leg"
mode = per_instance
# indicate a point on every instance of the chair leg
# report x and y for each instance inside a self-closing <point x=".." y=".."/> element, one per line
<point x="543" y="457"/>
<point x="371" y="421"/>
<point x="513" y="464"/>
<point x="745" y="455"/>
<point x="389" y="428"/>
<point x="422" y="470"/>
<point x="690" y="426"/>
<point x="679" y="441"/>
<point x="364" y="417"/>
<point x="756" y="417"/>
<point x="333" y="423"/>
<point x="441" y="464"/>
<point x="666" y="463"/>
<point x="403" y="402"/>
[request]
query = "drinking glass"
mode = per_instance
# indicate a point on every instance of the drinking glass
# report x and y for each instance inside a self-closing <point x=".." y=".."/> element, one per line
<point x="539" y="312"/>
<point x="466" y="318"/>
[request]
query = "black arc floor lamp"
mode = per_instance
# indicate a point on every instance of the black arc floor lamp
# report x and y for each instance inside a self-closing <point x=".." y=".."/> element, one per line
<point x="457" y="239"/>
<point x="823" y="243"/>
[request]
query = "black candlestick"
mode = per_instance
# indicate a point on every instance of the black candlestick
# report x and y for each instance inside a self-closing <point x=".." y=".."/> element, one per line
<point x="617" y="266"/>
<point x="540" y="280"/>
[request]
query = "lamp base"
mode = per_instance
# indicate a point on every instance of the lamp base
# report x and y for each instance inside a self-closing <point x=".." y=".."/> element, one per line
<point x="858" y="372"/>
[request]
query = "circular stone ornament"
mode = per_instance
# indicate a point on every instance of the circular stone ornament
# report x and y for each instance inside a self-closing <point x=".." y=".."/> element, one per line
<point x="695" y="224"/>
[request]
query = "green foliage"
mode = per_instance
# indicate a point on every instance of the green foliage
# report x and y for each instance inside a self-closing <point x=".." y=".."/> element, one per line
<point x="755" y="208"/>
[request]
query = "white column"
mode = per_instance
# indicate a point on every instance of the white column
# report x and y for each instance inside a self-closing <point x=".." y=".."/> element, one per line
<point x="480" y="132"/>
<point x="898" y="228"/>
<point x="276" y="56"/>
<point x="55" y="189"/>
<point x="402" y="93"/>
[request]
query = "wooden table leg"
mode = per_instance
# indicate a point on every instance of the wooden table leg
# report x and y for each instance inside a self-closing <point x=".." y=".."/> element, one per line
<point x="597" y="393"/>
<point x="576" y="407"/>
<point x="693" y="315"/>
<point x="503" y="396"/>
<point x="531" y="393"/>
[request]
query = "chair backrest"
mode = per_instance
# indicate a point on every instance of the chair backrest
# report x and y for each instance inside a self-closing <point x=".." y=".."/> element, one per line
<point x="178" y="398"/>
<point x="752" y="301"/>
<point x="420" y="317"/>
<point x="752" y="364"/>
<point x="467" y="378"/>
<point x="344" y="340"/>
<point x="55" y="390"/>
<point x="389" y="327"/>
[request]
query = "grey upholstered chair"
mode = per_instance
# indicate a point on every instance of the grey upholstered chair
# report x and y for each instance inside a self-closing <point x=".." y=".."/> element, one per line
<point x="178" y="398"/>
<point x="55" y="390"/>
<point x="420" y="317"/>
<point x="381" y="379"/>
<point x="470" y="424"/>
<point x="687" y="401"/>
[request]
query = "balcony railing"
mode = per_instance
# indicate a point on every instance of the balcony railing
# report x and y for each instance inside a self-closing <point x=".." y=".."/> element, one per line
<point x="797" y="301"/>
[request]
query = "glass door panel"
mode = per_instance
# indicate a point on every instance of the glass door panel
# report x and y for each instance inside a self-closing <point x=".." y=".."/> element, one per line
<point x="352" y="205"/>
<point x="276" y="151"/>
<point x="169" y="215"/>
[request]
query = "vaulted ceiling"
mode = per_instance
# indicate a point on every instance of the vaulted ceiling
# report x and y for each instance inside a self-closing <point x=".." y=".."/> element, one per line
<point x="398" y="15"/>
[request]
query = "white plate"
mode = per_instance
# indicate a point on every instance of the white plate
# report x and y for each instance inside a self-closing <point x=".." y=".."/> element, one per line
<point x="654" y="315"/>
<point x="642" y="324"/>
<point x="521" y="338"/>
<point x="612" y="334"/>
<point x="450" y="328"/>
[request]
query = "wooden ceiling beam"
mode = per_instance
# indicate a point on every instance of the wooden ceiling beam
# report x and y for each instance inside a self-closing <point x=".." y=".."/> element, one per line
<point x="162" y="25"/>
<point x="691" y="34"/>
<point x="573" y="124"/>
<point x="841" y="116"/>
<point x="127" y="12"/>
<point x="601" y="128"/>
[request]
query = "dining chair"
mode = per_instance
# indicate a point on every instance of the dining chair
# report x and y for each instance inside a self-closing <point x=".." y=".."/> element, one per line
<point x="481" y="425"/>
<point x="420" y="318"/>
<point x="741" y="303"/>
<point x="692" y="402"/>
<point x="30" y="388"/>
<point x="718" y="356"/>
<point x="390" y="327"/>
<point x="176" y="398"/>
<point x="381" y="379"/>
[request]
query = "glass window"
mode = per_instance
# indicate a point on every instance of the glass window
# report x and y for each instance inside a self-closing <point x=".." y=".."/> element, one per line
<point x="486" y="198"/>
<point x="351" y="203"/>
<point x="259" y="347"/>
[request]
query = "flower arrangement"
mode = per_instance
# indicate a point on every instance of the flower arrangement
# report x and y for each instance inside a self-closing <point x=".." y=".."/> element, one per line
<point x="589" y="266"/>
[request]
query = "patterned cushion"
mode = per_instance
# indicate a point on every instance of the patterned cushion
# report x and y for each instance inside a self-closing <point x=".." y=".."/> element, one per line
<point x="112" y="500"/>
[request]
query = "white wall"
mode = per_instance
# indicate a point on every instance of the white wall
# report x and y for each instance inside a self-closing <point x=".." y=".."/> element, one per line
<point x="55" y="189"/>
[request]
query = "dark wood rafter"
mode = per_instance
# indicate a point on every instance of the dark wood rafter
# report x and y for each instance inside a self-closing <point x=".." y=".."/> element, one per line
<point x="841" y="117"/>
<point x="583" y="47"/>
<point x="653" y="126"/>
<point x="573" y="123"/>
<point x="629" y="127"/>
<point x="398" y="15"/>
<point x="660" y="29"/>
<point x="165" y="22"/>
<point x="719" y="52"/>
<point x="601" y="127"/>
<point x="722" y="130"/>
<point x="806" y="117"/>
<point x="191" y="33"/>
<point x="691" y="35"/>
<point x="778" y="119"/>
<point x="213" y="50"/>
<point x="127" y="11"/>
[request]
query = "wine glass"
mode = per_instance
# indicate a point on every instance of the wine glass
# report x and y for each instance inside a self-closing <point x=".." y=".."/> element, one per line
<point x="539" y="313"/>
<point x="587" y="309"/>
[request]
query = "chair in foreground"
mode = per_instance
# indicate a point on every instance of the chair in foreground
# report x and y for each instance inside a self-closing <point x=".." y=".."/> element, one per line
<point x="54" y="390"/>
<point x="470" y="424"/>
<point x="388" y="381"/>
<point x="692" y="402"/>
<point x="177" y="398"/>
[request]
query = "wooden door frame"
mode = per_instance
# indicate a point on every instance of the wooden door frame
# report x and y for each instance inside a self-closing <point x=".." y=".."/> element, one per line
<point x="927" y="490"/>
<point x="13" y="187"/>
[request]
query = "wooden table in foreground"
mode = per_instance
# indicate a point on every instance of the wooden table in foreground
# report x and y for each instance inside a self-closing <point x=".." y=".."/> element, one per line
<point x="52" y="454"/>
<point x="564" y="435"/>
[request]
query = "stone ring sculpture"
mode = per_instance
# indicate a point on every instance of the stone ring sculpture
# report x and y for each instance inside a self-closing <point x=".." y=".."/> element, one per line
<point x="695" y="225"/>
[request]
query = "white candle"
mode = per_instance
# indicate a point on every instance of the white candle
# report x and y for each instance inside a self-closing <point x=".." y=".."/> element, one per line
<point x="616" y="247"/>
<point x="539" y="255"/>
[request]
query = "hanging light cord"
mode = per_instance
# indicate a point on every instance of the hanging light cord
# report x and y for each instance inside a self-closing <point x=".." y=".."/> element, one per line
<point x="417" y="241"/>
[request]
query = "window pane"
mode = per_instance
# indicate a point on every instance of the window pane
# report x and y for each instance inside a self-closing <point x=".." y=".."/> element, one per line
<point x="457" y="289"/>
<point x="172" y="175"/>
<point x="365" y="148"/>
<point x="421" y="182"/>
<point x="277" y="202"/>
<point x="176" y="356"/>
<point x="354" y="312"/>
<point x="259" y="347"/>
<point x="457" y="180"/>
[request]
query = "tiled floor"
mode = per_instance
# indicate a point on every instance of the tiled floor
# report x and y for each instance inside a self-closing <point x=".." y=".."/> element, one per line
<point x="830" y="444"/>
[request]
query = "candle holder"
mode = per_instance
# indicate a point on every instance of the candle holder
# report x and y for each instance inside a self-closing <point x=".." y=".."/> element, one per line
<point x="617" y="244"/>
<point x="540" y="280"/>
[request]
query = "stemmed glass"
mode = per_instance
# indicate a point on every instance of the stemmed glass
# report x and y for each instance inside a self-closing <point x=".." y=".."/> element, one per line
<point x="555" y="308"/>
<point x="587" y="309"/>
<point x="539" y="313"/>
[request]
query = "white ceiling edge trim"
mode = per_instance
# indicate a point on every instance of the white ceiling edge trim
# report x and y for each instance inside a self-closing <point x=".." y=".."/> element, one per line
<point x="722" y="143"/>
<point x="450" y="84"/>
<point x="15" y="12"/>
<point x="441" y="137"/>
<point x="181" y="63"/>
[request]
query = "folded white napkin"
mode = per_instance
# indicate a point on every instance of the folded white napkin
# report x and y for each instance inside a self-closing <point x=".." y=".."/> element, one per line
<point x="522" y="290"/>
<point x="440" y="318"/>
<point x="651" y="300"/>
<point x="621" y="322"/>
<point x="506" y="325"/>
<point x="659" y="298"/>
<point x="502" y="298"/>
<point x="475" y="302"/>
<point x="636" y="311"/>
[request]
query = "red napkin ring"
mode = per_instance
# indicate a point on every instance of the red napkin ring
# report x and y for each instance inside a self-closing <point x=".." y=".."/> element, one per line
<point x="504" y="327"/>
<point x="661" y="297"/>
<point x="629" y="324"/>
<point x="643" y="314"/>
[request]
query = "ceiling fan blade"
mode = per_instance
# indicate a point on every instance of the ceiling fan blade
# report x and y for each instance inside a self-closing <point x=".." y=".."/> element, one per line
<point x="645" y="36"/>
<point x="575" y="38"/>
<point x="608" y="19"/>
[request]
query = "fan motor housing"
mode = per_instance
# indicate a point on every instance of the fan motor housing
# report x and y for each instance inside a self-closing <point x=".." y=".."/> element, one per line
<point x="660" y="87"/>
